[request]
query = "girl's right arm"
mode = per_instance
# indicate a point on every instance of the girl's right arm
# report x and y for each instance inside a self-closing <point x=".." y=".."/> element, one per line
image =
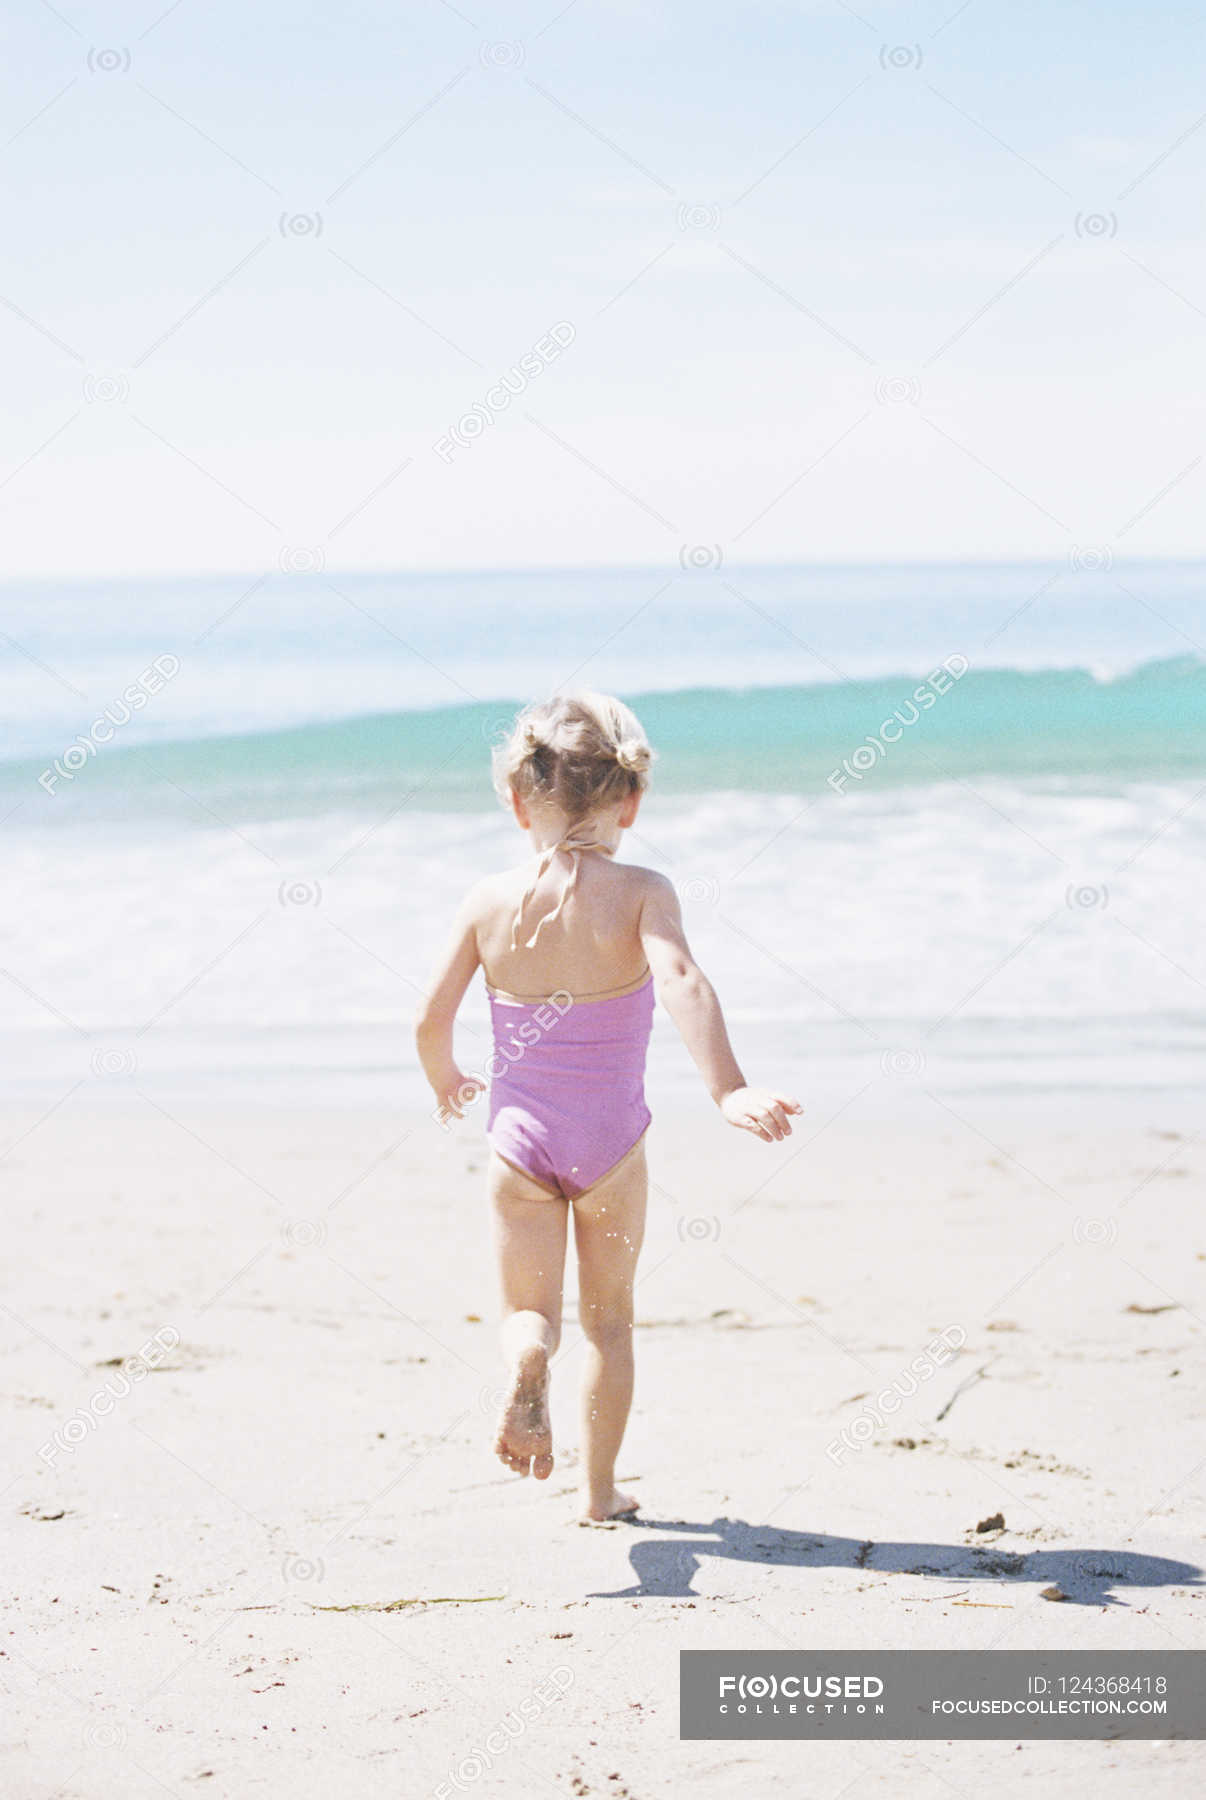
<point x="437" y="1015"/>
<point x="690" y="999"/>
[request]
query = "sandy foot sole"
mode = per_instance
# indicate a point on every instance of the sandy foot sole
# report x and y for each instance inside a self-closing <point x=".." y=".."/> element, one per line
<point x="525" y="1439"/>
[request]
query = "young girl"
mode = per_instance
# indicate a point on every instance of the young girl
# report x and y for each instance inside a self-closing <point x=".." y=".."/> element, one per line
<point x="571" y="951"/>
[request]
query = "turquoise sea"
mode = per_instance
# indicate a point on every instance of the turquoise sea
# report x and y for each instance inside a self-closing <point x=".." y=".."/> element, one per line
<point x="932" y="827"/>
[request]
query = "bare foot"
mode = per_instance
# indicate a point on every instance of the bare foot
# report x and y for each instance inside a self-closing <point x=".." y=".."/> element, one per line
<point x="525" y="1439"/>
<point x="612" y="1506"/>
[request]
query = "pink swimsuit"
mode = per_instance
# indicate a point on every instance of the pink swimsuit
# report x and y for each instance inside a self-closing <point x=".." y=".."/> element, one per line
<point x="569" y="1101"/>
<point x="567" y="1096"/>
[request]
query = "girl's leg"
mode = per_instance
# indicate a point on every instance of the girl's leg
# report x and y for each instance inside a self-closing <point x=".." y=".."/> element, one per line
<point x="609" y="1224"/>
<point x="530" y="1233"/>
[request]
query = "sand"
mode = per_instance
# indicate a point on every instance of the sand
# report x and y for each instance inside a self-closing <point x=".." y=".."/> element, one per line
<point x="283" y="1561"/>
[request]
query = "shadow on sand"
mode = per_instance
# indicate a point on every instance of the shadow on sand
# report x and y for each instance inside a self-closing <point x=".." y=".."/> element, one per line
<point x="665" y="1565"/>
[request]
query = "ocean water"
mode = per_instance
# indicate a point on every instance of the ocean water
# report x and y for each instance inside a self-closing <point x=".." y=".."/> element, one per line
<point x="938" y="833"/>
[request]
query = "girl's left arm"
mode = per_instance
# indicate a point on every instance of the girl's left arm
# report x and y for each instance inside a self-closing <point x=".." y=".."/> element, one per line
<point x="437" y="1015"/>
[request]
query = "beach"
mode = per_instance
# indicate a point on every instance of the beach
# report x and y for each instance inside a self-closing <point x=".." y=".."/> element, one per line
<point x="927" y="1375"/>
<point x="795" y="397"/>
<point x="280" y="1555"/>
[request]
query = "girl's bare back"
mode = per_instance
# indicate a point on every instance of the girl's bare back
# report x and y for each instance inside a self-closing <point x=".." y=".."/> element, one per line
<point x="593" y="946"/>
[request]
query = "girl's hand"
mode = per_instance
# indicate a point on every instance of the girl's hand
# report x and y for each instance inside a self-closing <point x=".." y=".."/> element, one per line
<point x="757" y="1110"/>
<point x="456" y="1093"/>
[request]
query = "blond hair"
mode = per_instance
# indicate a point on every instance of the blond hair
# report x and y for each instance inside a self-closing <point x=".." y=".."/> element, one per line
<point x="577" y="752"/>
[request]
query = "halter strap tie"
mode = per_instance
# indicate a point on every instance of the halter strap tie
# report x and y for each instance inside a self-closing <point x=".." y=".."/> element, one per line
<point x="574" y="846"/>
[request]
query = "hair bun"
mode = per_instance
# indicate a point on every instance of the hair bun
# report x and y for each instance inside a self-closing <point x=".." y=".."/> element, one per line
<point x="576" y="752"/>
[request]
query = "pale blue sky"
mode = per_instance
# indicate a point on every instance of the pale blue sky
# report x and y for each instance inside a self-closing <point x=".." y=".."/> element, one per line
<point x="845" y="283"/>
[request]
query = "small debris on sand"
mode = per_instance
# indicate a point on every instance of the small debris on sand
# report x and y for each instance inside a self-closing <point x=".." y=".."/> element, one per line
<point x="968" y="1381"/>
<point x="1134" y="1307"/>
<point x="401" y="1605"/>
<point x="994" y="1522"/>
<point x="1053" y="1593"/>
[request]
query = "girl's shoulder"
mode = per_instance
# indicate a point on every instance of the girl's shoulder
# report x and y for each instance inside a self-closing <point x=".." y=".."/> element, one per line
<point x="648" y="883"/>
<point x="655" y="891"/>
<point x="488" y="890"/>
<point x="634" y="890"/>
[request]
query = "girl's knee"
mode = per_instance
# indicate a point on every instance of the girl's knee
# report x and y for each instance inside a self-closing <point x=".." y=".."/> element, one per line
<point x="609" y="1329"/>
<point x="518" y="1323"/>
